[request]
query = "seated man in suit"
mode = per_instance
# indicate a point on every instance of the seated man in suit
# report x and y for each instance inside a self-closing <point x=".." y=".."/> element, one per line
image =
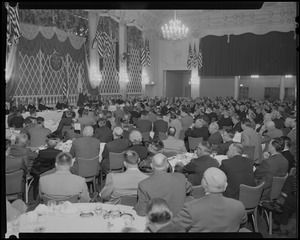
<point x="72" y="134"/>
<point x="213" y="212"/>
<point x="227" y="136"/>
<point x="137" y="145"/>
<point x="103" y="133"/>
<point x="274" y="165"/>
<point x="197" y="166"/>
<point x="172" y="187"/>
<point x="159" y="217"/>
<point x="13" y="164"/>
<point x="215" y="137"/>
<point x="86" y="119"/>
<point x="287" y="153"/>
<point x="159" y="126"/>
<point x="42" y="106"/>
<point x="65" y="123"/>
<point x="238" y="169"/>
<point x="236" y="123"/>
<point x="118" y="145"/>
<point x="39" y="133"/>
<point x="271" y="133"/>
<point x="86" y="147"/>
<point x="197" y="130"/>
<point x="63" y="182"/>
<point x="45" y="160"/>
<point x="123" y="184"/>
<point x="173" y="144"/>
<point x="143" y="124"/>
<point x="20" y="150"/>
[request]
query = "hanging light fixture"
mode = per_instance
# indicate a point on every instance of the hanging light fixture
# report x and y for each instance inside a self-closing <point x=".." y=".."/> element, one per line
<point x="175" y="30"/>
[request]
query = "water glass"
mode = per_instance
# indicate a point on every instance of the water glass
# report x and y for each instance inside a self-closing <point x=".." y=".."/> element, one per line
<point x="98" y="209"/>
<point x="51" y="205"/>
<point x="62" y="208"/>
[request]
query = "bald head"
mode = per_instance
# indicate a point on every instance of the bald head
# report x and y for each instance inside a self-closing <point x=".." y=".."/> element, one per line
<point x="159" y="162"/>
<point x="88" y="131"/>
<point x="118" y="132"/>
<point x="270" y="125"/>
<point x="214" y="180"/>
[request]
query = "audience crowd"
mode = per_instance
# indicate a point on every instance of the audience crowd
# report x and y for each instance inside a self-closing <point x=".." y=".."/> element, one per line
<point x="144" y="133"/>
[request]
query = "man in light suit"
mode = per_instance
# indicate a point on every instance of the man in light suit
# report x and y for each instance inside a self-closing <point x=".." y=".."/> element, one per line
<point x="86" y="147"/>
<point x="173" y="187"/>
<point x="39" y="133"/>
<point x="213" y="212"/>
<point x="274" y="165"/>
<point x="173" y="144"/>
<point x="143" y="124"/>
<point x="123" y="184"/>
<point x="118" y="145"/>
<point x="63" y="182"/>
<point x="251" y="138"/>
<point x="238" y="169"/>
<point x="272" y="132"/>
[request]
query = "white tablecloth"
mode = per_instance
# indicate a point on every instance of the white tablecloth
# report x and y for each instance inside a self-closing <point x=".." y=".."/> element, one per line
<point x="73" y="222"/>
<point x="181" y="158"/>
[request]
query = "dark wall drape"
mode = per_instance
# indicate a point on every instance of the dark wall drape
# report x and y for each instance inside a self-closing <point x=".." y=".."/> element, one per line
<point x="273" y="53"/>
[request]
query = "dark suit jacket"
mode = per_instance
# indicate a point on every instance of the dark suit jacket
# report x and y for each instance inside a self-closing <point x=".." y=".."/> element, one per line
<point x="116" y="146"/>
<point x="222" y="148"/>
<point x="237" y="127"/>
<point x="141" y="150"/>
<point x="225" y="122"/>
<point x="196" y="167"/>
<point x="212" y="213"/>
<point x="215" y="138"/>
<point x="45" y="160"/>
<point x="18" y="151"/>
<point x="144" y="125"/>
<point x="279" y="123"/>
<point x="13" y="164"/>
<point x="160" y="126"/>
<point x="275" y="165"/>
<point x="239" y="170"/>
<point x="198" y="132"/>
<point x="290" y="157"/>
<point x="104" y="134"/>
<point x="172" y="187"/>
<point x="64" y="122"/>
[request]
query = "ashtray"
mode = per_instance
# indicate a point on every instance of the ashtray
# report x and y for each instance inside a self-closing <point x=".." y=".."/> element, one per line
<point x="115" y="213"/>
<point x="90" y="214"/>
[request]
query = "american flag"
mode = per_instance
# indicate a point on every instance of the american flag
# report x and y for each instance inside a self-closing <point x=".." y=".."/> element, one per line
<point x="147" y="53"/>
<point x="190" y="58"/>
<point x="104" y="43"/>
<point x="65" y="89"/>
<point x="200" y="61"/>
<point x="13" y="28"/>
<point x="195" y="56"/>
<point x="143" y="56"/>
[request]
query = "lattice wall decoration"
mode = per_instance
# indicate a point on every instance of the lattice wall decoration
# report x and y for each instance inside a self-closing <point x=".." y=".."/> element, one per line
<point x="135" y="73"/>
<point x="134" y="67"/>
<point x="38" y="79"/>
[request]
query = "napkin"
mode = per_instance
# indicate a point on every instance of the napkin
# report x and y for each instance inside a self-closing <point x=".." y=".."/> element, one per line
<point x="42" y="208"/>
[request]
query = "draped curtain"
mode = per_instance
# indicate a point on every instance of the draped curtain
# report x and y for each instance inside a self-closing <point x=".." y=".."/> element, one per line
<point x="247" y="54"/>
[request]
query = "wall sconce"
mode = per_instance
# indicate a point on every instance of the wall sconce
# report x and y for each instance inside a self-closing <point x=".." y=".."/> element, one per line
<point x="123" y="76"/>
<point x="145" y="78"/>
<point x="95" y="76"/>
<point x="254" y="76"/>
<point x="288" y="76"/>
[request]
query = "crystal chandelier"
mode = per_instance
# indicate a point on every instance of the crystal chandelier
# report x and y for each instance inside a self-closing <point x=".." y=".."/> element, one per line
<point x="175" y="30"/>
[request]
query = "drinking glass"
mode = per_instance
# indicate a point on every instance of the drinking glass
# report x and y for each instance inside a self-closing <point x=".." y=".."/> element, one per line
<point x="98" y="209"/>
<point x="62" y="208"/>
<point x="51" y="205"/>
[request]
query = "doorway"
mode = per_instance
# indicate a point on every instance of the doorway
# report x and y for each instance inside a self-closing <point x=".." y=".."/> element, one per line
<point x="176" y="83"/>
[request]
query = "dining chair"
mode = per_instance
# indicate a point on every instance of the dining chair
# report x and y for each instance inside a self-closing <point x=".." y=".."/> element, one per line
<point x="249" y="151"/>
<point x="59" y="198"/>
<point x="250" y="197"/>
<point x="28" y="183"/>
<point x="15" y="185"/>
<point x="194" y="142"/>
<point x="128" y="200"/>
<point x="197" y="192"/>
<point x="277" y="184"/>
<point x="89" y="169"/>
<point x="162" y="136"/>
<point x="293" y="171"/>
<point x="116" y="162"/>
<point x="182" y="134"/>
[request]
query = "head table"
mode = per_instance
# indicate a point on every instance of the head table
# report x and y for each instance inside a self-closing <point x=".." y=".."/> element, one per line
<point x="78" y="217"/>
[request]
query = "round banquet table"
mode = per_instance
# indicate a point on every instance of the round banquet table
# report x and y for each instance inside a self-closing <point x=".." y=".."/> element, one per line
<point x="73" y="222"/>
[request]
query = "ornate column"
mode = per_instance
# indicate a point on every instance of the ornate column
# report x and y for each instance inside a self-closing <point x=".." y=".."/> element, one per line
<point x="123" y="76"/>
<point x="236" y="87"/>
<point x="282" y="83"/>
